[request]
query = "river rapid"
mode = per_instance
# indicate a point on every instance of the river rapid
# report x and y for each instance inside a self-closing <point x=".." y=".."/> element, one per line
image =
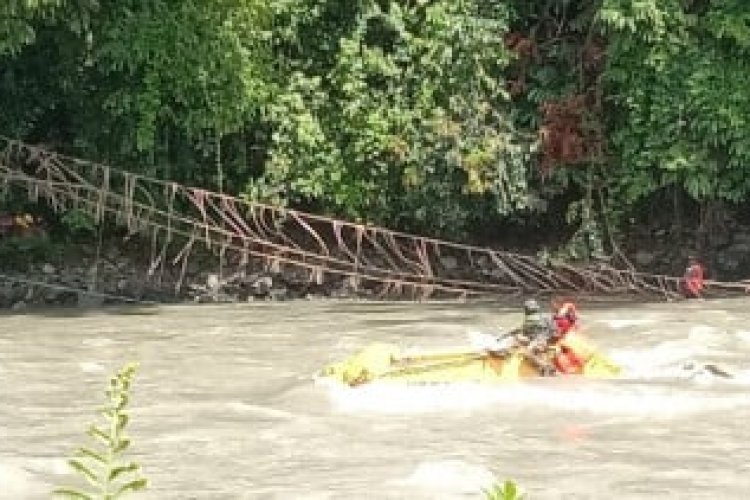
<point x="224" y="404"/>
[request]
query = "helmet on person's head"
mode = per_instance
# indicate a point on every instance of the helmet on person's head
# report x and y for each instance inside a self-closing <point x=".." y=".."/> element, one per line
<point x="531" y="306"/>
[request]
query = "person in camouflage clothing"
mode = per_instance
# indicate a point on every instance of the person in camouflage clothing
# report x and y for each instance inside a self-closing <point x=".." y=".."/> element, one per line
<point x="536" y="334"/>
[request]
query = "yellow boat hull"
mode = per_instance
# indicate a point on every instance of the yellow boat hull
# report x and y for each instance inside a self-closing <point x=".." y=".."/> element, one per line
<point x="387" y="363"/>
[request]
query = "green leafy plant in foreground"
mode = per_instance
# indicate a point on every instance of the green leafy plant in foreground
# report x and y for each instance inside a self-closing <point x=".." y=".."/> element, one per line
<point x="103" y="467"/>
<point x="507" y="491"/>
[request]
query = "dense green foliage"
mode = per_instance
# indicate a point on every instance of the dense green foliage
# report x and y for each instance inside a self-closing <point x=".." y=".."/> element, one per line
<point x="441" y="116"/>
<point x="676" y="74"/>
<point x="403" y="118"/>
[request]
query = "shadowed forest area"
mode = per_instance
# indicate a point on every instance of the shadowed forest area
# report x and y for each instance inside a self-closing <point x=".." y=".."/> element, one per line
<point x="577" y="128"/>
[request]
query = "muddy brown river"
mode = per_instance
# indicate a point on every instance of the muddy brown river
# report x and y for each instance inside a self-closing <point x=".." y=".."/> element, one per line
<point x="224" y="405"/>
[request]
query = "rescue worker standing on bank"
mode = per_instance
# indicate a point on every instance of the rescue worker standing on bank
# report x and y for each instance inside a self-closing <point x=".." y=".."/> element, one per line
<point x="692" y="281"/>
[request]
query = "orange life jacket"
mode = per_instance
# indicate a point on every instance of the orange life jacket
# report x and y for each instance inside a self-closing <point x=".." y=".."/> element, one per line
<point x="568" y="363"/>
<point x="565" y="318"/>
<point x="693" y="279"/>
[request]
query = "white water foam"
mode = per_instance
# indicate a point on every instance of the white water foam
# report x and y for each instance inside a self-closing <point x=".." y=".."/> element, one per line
<point x="573" y="394"/>
<point x="653" y="361"/>
<point x="741" y="377"/>
<point x="681" y="359"/>
<point x="259" y="410"/>
<point x="448" y="477"/>
<point x="91" y="367"/>
<point x="639" y="391"/>
<point x="21" y="479"/>
<point x="618" y="324"/>
<point x="706" y="336"/>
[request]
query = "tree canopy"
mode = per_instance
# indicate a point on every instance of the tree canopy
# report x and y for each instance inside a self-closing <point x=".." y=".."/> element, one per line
<point x="438" y="116"/>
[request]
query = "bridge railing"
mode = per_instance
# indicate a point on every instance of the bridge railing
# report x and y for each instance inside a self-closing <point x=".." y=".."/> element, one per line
<point x="174" y="214"/>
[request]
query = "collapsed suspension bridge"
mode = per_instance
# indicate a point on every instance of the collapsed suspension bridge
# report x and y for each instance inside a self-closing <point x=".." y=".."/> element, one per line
<point x="177" y="218"/>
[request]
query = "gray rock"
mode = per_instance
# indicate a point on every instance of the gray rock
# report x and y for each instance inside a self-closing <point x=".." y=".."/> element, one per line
<point x="280" y="293"/>
<point x="18" y="306"/>
<point x="498" y="274"/>
<point x="6" y="290"/>
<point x="53" y="296"/>
<point x="262" y="286"/>
<point x="351" y="284"/>
<point x="212" y="282"/>
<point x="48" y="269"/>
<point x="483" y="262"/>
<point x="88" y="300"/>
<point x="449" y="263"/>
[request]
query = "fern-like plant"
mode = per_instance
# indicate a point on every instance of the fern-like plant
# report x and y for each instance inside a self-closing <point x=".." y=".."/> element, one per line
<point x="103" y="466"/>
<point x="507" y="491"/>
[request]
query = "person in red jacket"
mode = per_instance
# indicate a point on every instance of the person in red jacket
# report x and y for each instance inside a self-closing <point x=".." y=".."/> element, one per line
<point x="566" y="319"/>
<point x="692" y="282"/>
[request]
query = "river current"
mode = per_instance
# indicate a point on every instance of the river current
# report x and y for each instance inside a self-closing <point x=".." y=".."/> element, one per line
<point x="224" y="405"/>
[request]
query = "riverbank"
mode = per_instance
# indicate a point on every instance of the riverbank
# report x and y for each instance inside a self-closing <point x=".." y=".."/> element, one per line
<point x="82" y="275"/>
<point x="44" y="273"/>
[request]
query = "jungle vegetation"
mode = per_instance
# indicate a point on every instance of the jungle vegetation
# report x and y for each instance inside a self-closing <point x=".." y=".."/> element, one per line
<point x="443" y="117"/>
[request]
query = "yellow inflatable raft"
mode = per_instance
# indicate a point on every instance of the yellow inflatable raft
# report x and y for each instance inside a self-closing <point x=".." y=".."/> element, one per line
<point x="387" y="362"/>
